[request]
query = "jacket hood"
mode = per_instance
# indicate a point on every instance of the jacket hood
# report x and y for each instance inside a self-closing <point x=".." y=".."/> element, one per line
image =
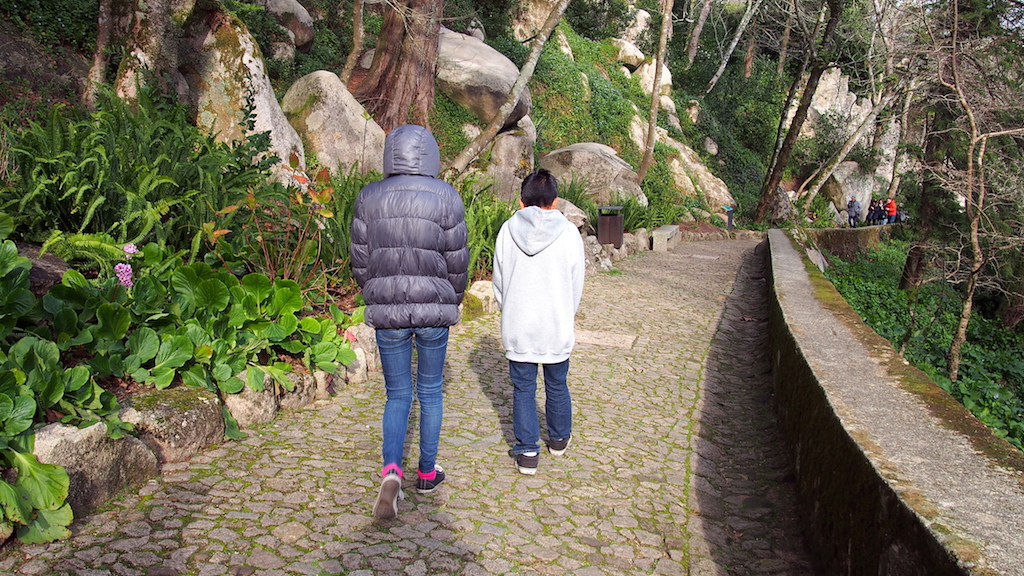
<point x="411" y="150"/>
<point x="533" y="229"/>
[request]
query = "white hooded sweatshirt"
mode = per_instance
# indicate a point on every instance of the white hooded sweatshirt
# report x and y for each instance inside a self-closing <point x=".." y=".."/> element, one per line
<point x="538" y="282"/>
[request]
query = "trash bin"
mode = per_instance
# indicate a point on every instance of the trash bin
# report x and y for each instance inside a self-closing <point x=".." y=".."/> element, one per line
<point x="609" y="225"/>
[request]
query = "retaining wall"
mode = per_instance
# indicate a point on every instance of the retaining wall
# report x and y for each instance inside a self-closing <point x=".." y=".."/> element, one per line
<point x="894" y="476"/>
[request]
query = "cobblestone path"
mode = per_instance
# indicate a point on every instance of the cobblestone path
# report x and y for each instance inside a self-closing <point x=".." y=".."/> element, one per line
<point x="676" y="465"/>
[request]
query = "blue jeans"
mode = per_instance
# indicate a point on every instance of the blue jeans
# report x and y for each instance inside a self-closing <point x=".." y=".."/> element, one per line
<point x="557" y="404"/>
<point x="395" y="347"/>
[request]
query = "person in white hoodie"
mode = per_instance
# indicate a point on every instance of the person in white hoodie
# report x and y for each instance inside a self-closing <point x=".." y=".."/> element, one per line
<point x="538" y="282"/>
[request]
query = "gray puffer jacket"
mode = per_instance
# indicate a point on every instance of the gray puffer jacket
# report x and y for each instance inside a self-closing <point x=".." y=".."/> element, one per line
<point x="409" y="233"/>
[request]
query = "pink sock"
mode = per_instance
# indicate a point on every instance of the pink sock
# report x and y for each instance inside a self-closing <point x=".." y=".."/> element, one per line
<point x="433" y="473"/>
<point x="391" y="468"/>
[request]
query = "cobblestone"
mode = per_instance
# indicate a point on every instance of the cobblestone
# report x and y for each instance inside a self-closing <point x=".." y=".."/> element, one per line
<point x="676" y="465"/>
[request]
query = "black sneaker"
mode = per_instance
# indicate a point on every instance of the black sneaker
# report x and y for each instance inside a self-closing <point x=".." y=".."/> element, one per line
<point x="388" y="497"/>
<point x="527" y="464"/>
<point x="557" y="447"/>
<point x="427" y="486"/>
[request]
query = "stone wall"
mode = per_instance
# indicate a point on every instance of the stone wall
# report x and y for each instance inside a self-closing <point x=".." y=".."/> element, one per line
<point x="895" y="477"/>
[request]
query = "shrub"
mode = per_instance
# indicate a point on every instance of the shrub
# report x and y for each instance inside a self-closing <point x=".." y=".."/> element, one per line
<point x="598" y="19"/>
<point x="84" y="187"/>
<point x="56" y="22"/>
<point x="484" y="216"/>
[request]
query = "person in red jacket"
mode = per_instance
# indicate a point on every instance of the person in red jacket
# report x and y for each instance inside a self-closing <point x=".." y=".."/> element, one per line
<point x="890" y="209"/>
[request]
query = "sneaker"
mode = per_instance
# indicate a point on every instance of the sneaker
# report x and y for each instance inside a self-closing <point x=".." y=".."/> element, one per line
<point x="388" y="497"/>
<point x="527" y="463"/>
<point x="557" y="447"/>
<point x="427" y="486"/>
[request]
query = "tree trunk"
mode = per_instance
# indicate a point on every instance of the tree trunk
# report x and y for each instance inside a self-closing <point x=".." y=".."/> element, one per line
<point x="781" y="158"/>
<point x="473" y="149"/>
<point x="774" y="179"/>
<point x="357" y="43"/>
<point x="652" y="121"/>
<point x="748" y="59"/>
<point x="752" y="6"/>
<point x="399" y="87"/>
<point x="698" y="27"/>
<point x="98" y="70"/>
<point x="784" y="44"/>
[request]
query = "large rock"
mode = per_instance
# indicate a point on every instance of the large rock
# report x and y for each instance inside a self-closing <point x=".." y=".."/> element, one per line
<point x="478" y="77"/>
<point x="366" y="339"/>
<point x="293" y="17"/>
<point x="224" y="69"/>
<point x="689" y="173"/>
<point x="575" y="215"/>
<point x="628" y="53"/>
<point x="333" y="125"/>
<point x="605" y="174"/>
<point x="641" y="22"/>
<point x="646" y="75"/>
<point x="99" y="467"/>
<point x="303" y="392"/>
<point x="528" y="21"/>
<point x="250" y="408"/>
<point x="848" y="180"/>
<point x="484" y="291"/>
<point x="177" y="423"/>
<point x="511" y="161"/>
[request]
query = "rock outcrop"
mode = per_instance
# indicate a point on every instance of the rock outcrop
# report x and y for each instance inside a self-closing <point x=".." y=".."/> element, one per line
<point x="477" y="77"/>
<point x="177" y="423"/>
<point x="293" y="17"/>
<point x="332" y="124"/>
<point x="98" y="466"/>
<point x="605" y="174"/>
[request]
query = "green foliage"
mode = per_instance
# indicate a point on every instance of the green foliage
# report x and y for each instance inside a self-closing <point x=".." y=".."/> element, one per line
<point x="576" y="102"/>
<point x="261" y="24"/>
<point x="598" y="19"/>
<point x="446" y="121"/>
<point x="484" y="216"/>
<point x="737" y="166"/>
<point x="923" y="322"/>
<point x="300" y="233"/>
<point x="822" y="212"/>
<point x="55" y="22"/>
<point x="512" y="49"/>
<point x="493" y="15"/>
<point x="575" y="191"/>
<point x="125" y="175"/>
<point x="666" y="205"/>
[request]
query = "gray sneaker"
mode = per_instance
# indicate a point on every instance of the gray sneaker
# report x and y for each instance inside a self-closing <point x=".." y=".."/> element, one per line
<point x="388" y="497"/>
<point x="527" y="464"/>
<point x="557" y="447"/>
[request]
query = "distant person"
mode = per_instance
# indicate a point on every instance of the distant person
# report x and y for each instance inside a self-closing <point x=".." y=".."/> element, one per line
<point x="890" y="210"/>
<point x="878" y="212"/>
<point x="410" y="257"/>
<point x="538" y="282"/>
<point x="853" y="211"/>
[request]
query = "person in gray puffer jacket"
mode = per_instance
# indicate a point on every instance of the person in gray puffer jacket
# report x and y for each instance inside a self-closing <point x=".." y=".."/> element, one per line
<point x="409" y="255"/>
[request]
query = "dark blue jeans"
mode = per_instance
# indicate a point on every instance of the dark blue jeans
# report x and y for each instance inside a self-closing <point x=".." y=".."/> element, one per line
<point x="395" y="347"/>
<point x="557" y="404"/>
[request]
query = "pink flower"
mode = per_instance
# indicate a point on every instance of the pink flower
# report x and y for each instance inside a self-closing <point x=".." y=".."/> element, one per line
<point x="124" y="274"/>
<point x="130" y="249"/>
<point x="350" y="336"/>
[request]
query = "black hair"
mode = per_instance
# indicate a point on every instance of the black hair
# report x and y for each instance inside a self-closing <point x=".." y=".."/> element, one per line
<point x="539" y="189"/>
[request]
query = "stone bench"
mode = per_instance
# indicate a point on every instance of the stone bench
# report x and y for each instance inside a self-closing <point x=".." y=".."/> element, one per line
<point x="665" y="238"/>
